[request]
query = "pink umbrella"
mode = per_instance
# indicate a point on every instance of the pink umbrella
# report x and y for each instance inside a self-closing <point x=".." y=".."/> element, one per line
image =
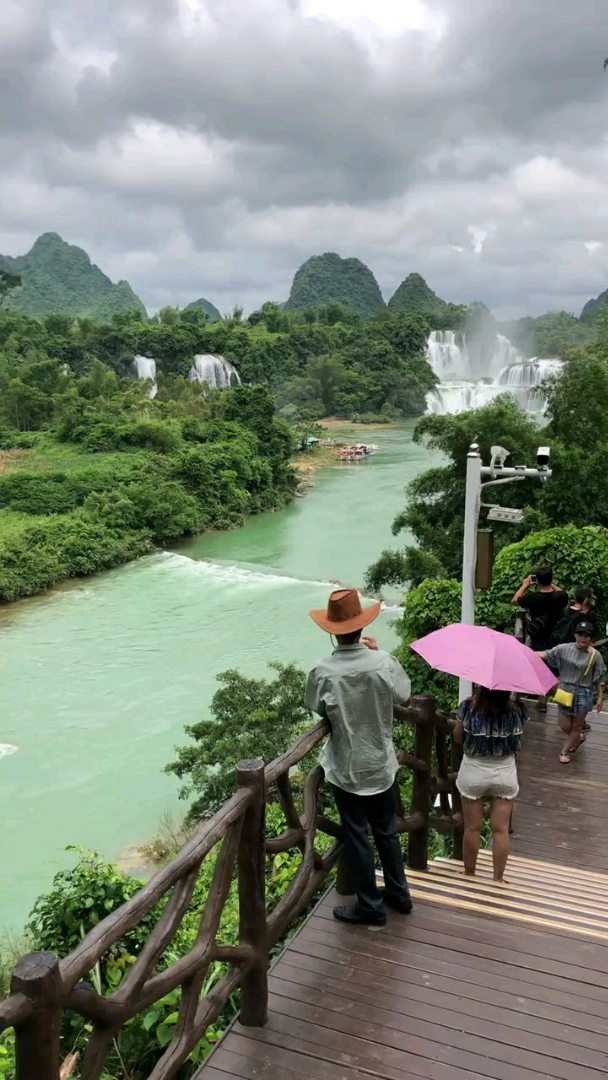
<point x="486" y="657"/>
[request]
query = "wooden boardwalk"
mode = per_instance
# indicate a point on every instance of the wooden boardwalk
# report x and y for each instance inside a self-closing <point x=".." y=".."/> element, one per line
<point x="480" y="981"/>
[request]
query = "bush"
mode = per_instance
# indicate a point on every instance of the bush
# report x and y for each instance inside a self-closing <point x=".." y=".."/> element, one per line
<point x="61" y="547"/>
<point x="252" y="718"/>
<point x="578" y="557"/>
<point x="433" y="604"/>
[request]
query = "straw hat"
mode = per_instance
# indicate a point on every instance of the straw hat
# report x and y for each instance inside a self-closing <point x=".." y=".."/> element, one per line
<point x="344" y="613"/>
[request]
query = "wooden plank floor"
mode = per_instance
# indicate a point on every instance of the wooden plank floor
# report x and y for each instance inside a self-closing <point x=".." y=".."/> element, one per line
<point x="481" y="981"/>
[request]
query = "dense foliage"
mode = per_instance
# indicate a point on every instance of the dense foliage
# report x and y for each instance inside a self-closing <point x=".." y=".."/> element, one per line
<point x="577" y="493"/>
<point x="578" y="556"/>
<point x="61" y="277"/>
<point x="95" y="473"/>
<point x="316" y="363"/>
<point x="251" y="718"/>
<point x="325" y="279"/>
<point x="549" y="334"/>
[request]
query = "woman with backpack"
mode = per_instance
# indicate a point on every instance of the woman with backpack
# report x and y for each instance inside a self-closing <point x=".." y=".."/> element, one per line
<point x="580" y="669"/>
<point x="581" y="608"/>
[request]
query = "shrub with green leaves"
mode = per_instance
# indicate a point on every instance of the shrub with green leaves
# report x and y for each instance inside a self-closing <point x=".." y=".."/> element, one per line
<point x="251" y="718"/>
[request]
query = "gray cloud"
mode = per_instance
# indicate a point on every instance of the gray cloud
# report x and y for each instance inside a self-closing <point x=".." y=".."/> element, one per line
<point x="206" y="147"/>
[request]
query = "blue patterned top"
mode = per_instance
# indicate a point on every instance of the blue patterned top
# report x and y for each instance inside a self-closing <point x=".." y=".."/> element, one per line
<point x="485" y="736"/>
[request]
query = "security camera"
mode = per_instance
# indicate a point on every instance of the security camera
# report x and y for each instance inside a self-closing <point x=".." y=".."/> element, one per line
<point x="542" y="456"/>
<point x="499" y="456"/>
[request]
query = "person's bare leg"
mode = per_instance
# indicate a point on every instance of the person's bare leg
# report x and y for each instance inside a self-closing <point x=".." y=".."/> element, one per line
<point x="565" y="722"/>
<point x="574" y="738"/>
<point x="500" y="818"/>
<point x="472" y="810"/>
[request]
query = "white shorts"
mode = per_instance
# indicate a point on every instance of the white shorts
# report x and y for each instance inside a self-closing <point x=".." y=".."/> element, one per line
<point x="482" y="777"/>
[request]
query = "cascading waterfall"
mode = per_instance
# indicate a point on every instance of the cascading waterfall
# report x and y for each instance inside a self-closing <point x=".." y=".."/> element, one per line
<point x="145" y="368"/>
<point x="447" y="354"/>
<point x="217" y="372"/>
<point x="507" y="371"/>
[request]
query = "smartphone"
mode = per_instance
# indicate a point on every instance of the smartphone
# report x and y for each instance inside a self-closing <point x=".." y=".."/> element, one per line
<point x="533" y="579"/>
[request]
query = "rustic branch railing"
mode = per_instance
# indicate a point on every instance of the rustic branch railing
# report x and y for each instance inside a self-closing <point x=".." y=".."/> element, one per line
<point x="43" y="986"/>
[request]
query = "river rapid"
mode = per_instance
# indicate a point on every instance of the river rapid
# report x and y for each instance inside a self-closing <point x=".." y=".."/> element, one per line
<point x="99" y="677"/>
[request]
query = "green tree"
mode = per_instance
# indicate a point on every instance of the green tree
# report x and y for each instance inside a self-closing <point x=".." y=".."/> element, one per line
<point x="434" y="513"/>
<point x="252" y="718"/>
<point x="325" y="376"/>
<point x="9" y="283"/>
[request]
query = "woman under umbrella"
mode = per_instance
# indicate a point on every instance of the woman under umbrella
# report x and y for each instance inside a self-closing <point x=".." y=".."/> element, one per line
<point x="488" y="724"/>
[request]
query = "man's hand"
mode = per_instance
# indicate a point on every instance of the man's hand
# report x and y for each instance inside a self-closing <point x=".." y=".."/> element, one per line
<point x="370" y="643"/>
<point x="525" y="585"/>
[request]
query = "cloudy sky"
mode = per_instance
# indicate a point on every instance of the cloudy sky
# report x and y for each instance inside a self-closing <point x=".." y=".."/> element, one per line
<point x="208" y="147"/>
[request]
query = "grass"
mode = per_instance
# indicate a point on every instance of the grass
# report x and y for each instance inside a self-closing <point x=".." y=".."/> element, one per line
<point x="48" y="454"/>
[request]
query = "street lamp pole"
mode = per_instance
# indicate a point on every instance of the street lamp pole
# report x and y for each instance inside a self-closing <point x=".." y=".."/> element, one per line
<point x="469" y="549"/>
<point x="498" y="474"/>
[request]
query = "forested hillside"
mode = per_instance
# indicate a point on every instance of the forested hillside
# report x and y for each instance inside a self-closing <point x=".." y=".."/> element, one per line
<point x="61" y="277"/>
<point x="326" y="279"/>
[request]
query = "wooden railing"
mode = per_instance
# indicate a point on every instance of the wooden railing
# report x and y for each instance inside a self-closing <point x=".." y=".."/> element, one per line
<point x="43" y="986"/>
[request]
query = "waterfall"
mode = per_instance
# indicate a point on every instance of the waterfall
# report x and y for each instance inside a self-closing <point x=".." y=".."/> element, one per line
<point x="447" y="354"/>
<point x="505" y="368"/>
<point x="145" y="368"/>
<point x="524" y="378"/>
<point x="457" y="397"/>
<point x="217" y="372"/>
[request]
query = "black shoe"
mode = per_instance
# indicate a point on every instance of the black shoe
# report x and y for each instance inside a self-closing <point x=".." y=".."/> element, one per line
<point x="352" y="914"/>
<point x="586" y="726"/>
<point x="404" y="907"/>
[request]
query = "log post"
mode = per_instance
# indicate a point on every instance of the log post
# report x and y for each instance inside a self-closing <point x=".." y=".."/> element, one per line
<point x="252" y="895"/>
<point x="418" y="843"/>
<point x="456" y="758"/>
<point x="37" y="1038"/>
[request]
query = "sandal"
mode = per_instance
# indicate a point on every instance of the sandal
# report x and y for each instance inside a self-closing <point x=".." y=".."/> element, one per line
<point x="564" y="759"/>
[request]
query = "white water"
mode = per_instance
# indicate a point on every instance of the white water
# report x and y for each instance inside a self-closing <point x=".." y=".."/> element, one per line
<point x="145" y="368"/>
<point x="215" y="371"/>
<point x="506" y="370"/>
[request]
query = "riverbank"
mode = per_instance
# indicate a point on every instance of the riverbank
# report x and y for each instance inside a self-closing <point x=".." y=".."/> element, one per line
<point x="113" y="482"/>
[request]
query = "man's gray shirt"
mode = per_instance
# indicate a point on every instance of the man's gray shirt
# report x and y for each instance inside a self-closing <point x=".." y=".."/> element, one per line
<point x="356" y="688"/>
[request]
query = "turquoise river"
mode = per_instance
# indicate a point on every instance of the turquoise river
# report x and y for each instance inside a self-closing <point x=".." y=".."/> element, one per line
<point x="99" y="677"/>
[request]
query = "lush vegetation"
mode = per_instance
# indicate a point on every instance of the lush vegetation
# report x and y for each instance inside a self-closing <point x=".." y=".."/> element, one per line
<point x="251" y="718"/>
<point x="326" y="279"/>
<point x="94" y="473"/>
<point x="577" y="493"/>
<point x="550" y="334"/>
<point x="565" y="519"/>
<point x="56" y="276"/>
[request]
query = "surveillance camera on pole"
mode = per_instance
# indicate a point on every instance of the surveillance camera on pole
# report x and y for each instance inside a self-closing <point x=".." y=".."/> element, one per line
<point x="498" y="458"/>
<point x="498" y="473"/>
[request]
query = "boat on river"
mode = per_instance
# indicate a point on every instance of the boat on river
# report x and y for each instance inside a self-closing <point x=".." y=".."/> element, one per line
<point x="358" y="451"/>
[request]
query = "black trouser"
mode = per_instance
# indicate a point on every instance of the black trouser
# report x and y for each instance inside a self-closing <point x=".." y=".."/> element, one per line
<point x="379" y="811"/>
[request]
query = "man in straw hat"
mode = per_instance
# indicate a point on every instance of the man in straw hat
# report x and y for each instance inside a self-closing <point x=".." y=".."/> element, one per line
<point x="356" y="689"/>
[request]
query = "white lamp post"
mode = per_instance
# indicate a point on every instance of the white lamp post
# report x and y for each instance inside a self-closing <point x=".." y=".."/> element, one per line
<point x="498" y="474"/>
